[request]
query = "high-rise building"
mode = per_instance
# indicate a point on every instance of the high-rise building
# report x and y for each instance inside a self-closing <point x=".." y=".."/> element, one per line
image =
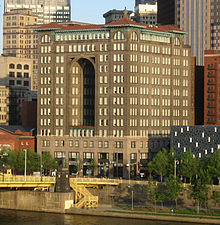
<point x="212" y="87"/>
<point x="46" y="10"/>
<point x="107" y="88"/>
<point x="138" y="2"/>
<point x="146" y="12"/>
<point x="19" y="38"/>
<point x="200" y="20"/>
<point x="20" y="17"/>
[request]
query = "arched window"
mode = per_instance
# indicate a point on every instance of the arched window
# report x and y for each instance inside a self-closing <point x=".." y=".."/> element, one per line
<point x="46" y="39"/>
<point x="177" y="41"/>
<point x="11" y="66"/>
<point x="119" y="36"/>
<point x="19" y="66"/>
<point x="134" y="36"/>
<point x="26" y="67"/>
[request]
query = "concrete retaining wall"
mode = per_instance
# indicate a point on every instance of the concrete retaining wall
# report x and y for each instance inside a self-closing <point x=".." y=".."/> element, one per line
<point x="36" y="201"/>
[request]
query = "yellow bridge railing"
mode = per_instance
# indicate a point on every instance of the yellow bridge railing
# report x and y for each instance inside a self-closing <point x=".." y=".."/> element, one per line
<point x="28" y="181"/>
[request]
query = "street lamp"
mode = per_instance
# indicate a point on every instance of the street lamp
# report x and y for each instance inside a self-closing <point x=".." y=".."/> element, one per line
<point x="25" y="165"/>
<point x="132" y="198"/>
<point x="41" y="168"/>
<point x="175" y="162"/>
<point x="3" y="165"/>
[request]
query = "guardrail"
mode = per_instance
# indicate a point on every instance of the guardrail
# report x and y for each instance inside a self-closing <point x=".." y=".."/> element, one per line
<point x="28" y="179"/>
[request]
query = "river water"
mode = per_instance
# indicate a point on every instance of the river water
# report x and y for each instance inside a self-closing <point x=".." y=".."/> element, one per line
<point x="11" y="217"/>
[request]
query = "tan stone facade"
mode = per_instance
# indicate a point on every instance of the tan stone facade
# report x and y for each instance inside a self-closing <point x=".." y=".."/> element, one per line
<point x="118" y="82"/>
<point x="19" y="38"/>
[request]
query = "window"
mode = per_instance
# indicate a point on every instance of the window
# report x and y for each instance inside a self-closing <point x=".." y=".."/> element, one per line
<point x="26" y="75"/>
<point x="11" y="66"/>
<point x="11" y="74"/>
<point x="88" y="155"/>
<point x="19" y="66"/>
<point x="56" y="143"/>
<point x="71" y="143"/>
<point x="118" y="144"/>
<point x="76" y="143"/>
<point x="119" y="36"/>
<point x="91" y="144"/>
<point x="144" y="156"/>
<point x="85" y="144"/>
<point x="19" y="74"/>
<point x="59" y="155"/>
<point x="73" y="155"/>
<point x="26" y="67"/>
<point x="106" y="144"/>
<point x="133" y="144"/>
<point x="100" y="144"/>
<point x="26" y="83"/>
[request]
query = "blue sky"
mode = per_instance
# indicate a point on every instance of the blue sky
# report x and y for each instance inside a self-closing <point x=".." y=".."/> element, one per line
<point x="89" y="11"/>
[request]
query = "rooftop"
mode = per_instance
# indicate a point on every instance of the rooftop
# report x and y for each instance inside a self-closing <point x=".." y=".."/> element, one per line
<point x="125" y="21"/>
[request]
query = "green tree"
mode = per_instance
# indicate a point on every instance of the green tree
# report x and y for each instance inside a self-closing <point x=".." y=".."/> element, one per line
<point x="160" y="163"/>
<point x="33" y="161"/>
<point x="4" y="156"/>
<point x="93" y="166"/>
<point x="174" y="188"/>
<point x="12" y="160"/>
<point x="20" y="161"/>
<point x="188" y="166"/>
<point x="199" y="188"/>
<point x="214" y="165"/>
<point x="216" y="197"/>
<point x="48" y="162"/>
<point x="154" y="194"/>
<point x="171" y="161"/>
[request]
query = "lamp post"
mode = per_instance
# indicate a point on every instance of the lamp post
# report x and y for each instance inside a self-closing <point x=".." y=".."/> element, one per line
<point x="132" y="200"/>
<point x="3" y="165"/>
<point x="132" y="197"/>
<point x="175" y="162"/>
<point x="129" y="168"/>
<point x="41" y="168"/>
<point x="25" y="165"/>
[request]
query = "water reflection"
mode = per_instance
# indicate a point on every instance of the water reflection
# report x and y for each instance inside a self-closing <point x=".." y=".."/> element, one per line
<point x="12" y="217"/>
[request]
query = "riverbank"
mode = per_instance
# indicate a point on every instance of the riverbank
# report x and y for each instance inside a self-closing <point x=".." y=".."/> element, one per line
<point x="116" y="213"/>
<point x="61" y="203"/>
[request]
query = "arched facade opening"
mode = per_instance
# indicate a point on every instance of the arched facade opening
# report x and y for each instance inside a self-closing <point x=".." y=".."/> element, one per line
<point x="83" y="93"/>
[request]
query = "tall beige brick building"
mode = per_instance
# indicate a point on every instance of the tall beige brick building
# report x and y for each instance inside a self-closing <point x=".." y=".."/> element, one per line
<point x="20" y="39"/>
<point x="105" y="89"/>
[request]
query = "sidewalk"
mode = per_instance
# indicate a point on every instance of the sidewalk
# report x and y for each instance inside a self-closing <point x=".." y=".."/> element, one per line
<point x="120" y="213"/>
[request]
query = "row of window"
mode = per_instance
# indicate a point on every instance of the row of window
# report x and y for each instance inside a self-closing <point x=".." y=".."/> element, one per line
<point x="18" y="66"/>
<point x="91" y="144"/>
<point x="106" y="35"/>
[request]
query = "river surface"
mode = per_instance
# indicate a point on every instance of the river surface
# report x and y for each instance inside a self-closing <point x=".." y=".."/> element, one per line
<point x="11" y="217"/>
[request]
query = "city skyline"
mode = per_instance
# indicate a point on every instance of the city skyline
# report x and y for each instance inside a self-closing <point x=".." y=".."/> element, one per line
<point x="90" y="14"/>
